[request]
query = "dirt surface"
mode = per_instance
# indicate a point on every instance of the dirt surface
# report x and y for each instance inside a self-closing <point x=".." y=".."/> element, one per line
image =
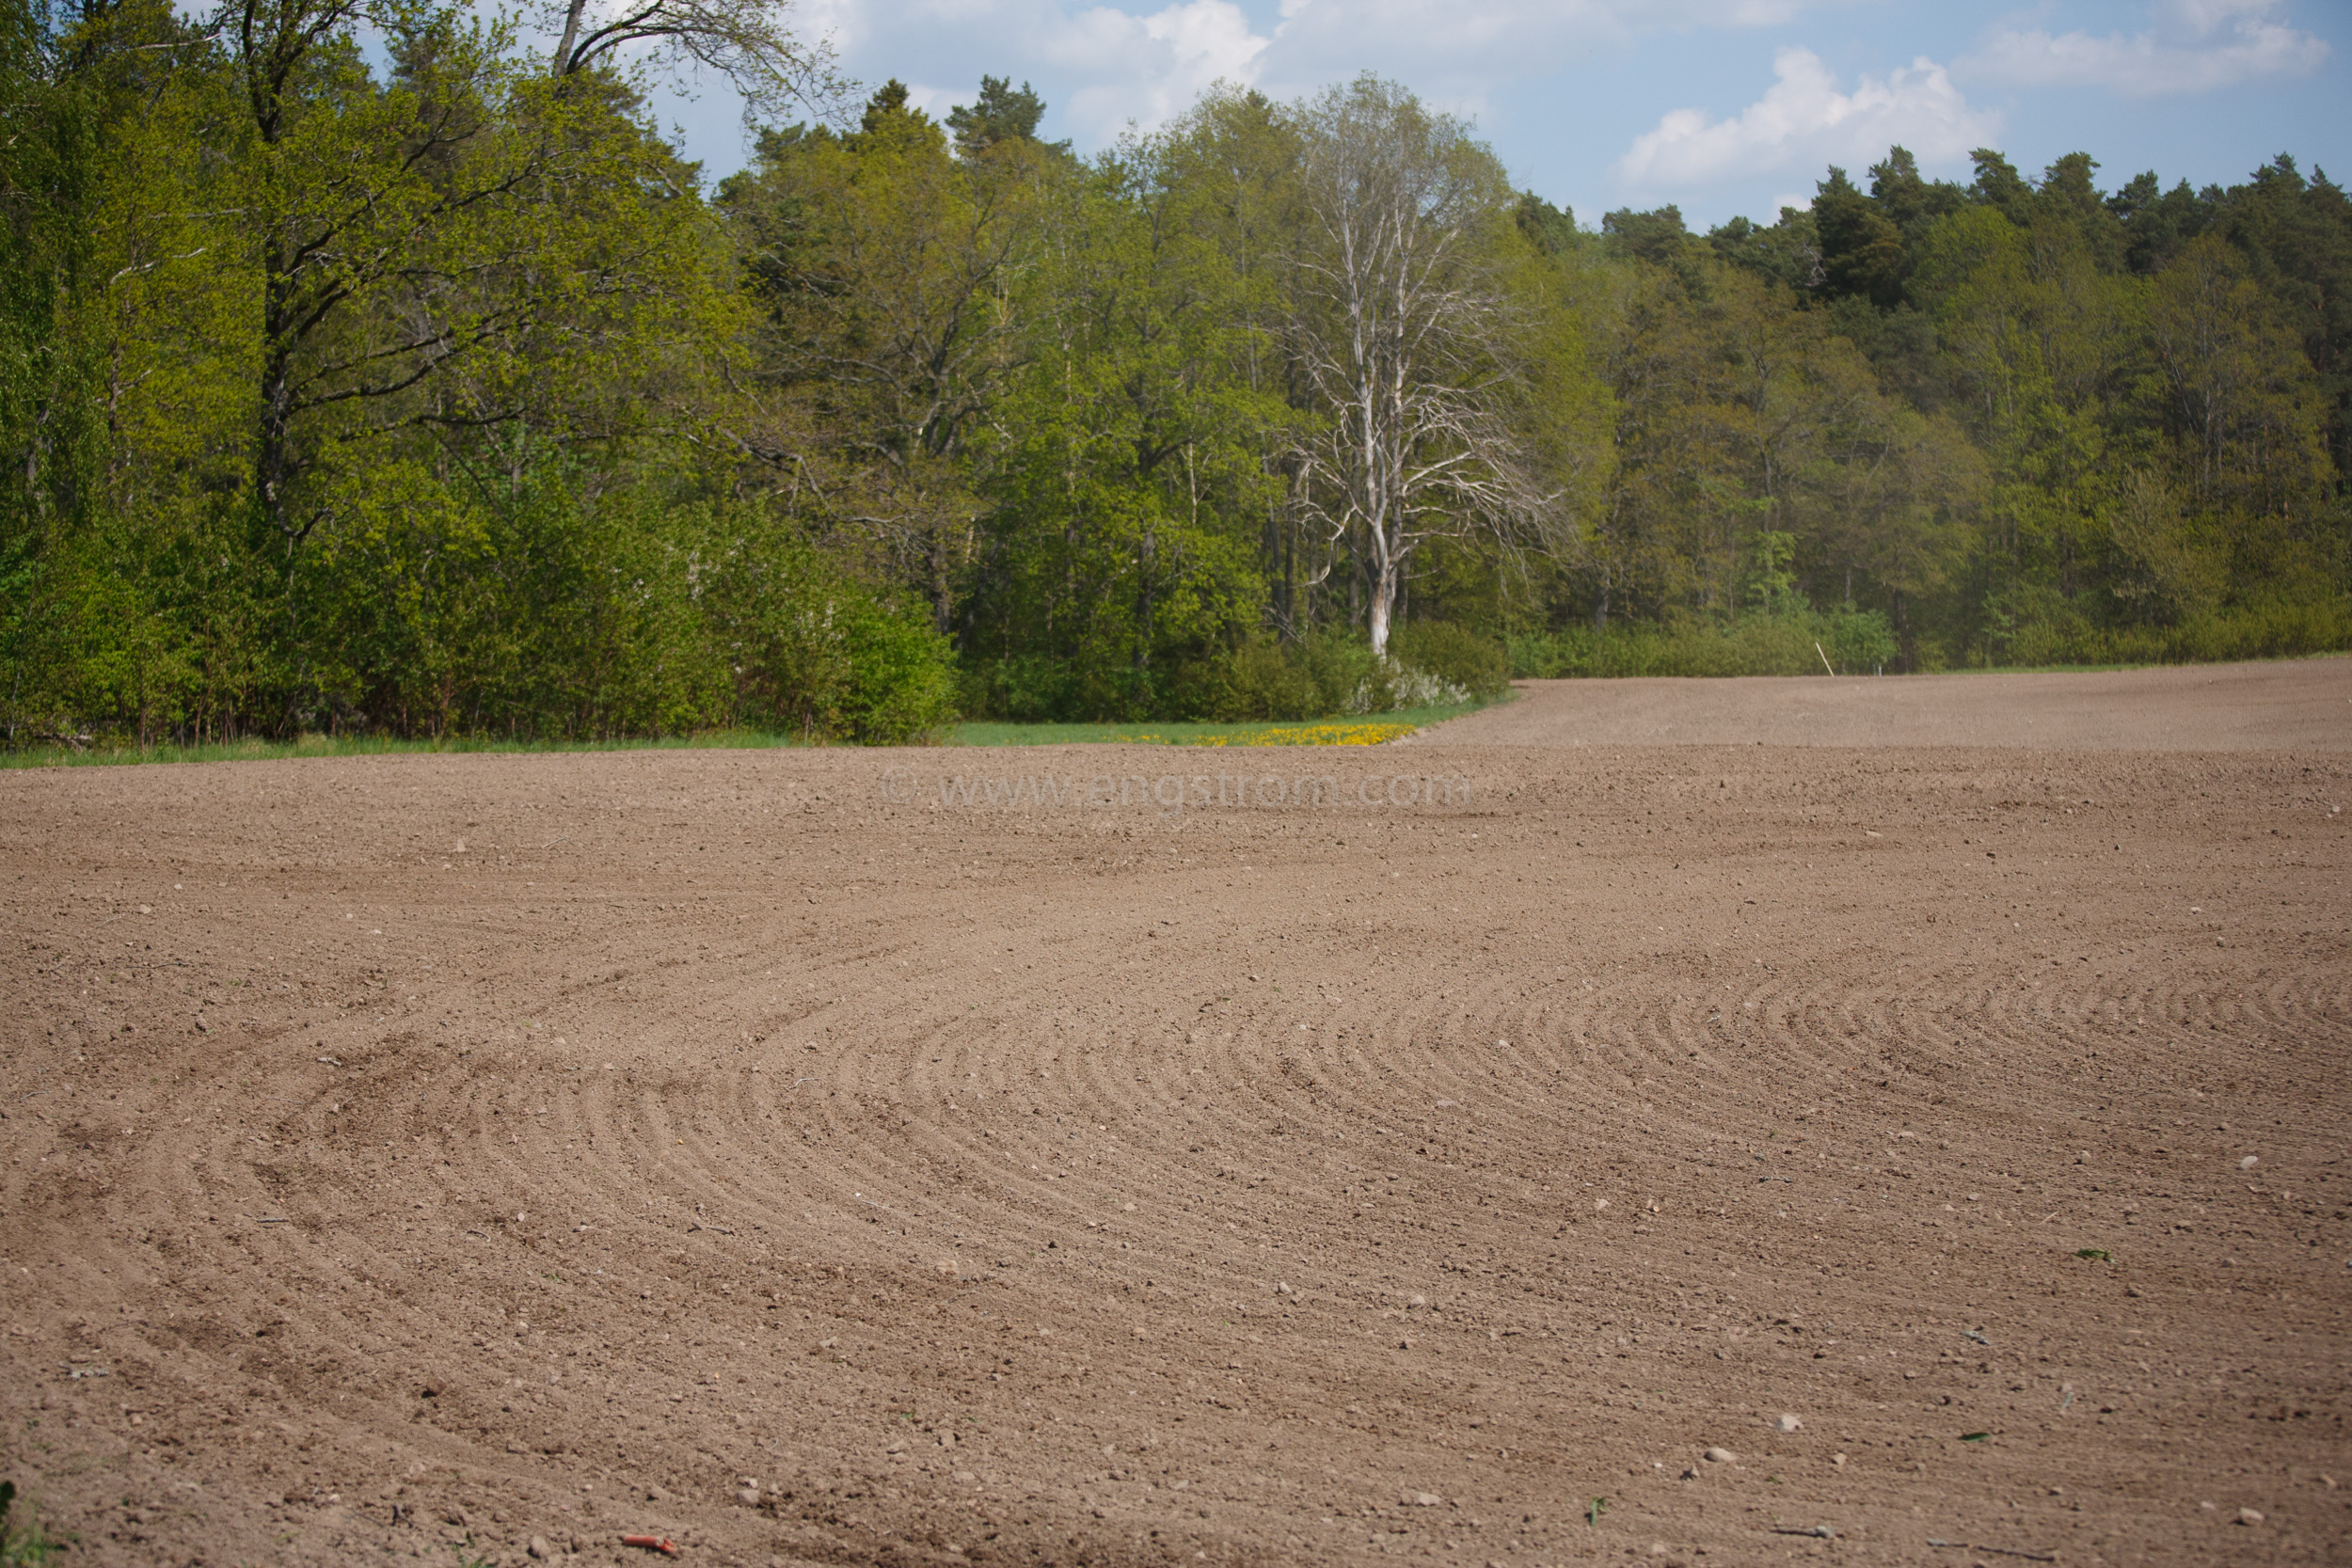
<point x="2305" y="704"/>
<point x="801" y="1157"/>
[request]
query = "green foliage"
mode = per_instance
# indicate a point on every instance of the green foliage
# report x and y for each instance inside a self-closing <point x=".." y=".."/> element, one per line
<point x="1547" y="229"/>
<point x="2022" y="421"/>
<point x="537" y="610"/>
<point x="1429" y="664"/>
<point x="1660" y="237"/>
<point x="2271" y="626"/>
<point x="899" y="683"/>
<point x="1864" y="643"/>
<point x="1859" y="641"/>
<point x="22" y="1543"/>
<point x="1476" y="665"/>
<point x="1263" y="680"/>
<point x="1855" y="642"/>
<point x="1003" y="114"/>
<point x="1354" y="731"/>
<point x="409" y="384"/>
<point x="381" y="353"/>
<point x="254" y="748"/>
<point x="1323" y="675"/>
<point x="1862" y="249"/>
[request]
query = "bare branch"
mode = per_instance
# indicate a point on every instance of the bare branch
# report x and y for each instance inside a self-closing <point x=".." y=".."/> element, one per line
<point x="1402" y="337"/>
<point x="750" y="43"/>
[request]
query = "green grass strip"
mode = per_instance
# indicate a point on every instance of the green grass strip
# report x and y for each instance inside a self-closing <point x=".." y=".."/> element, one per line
<point x="374" y="746"/>
<point x="1363" y="729"/>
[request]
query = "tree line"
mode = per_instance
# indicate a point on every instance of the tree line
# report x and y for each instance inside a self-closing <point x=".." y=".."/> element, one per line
<point x="384" y="368"/>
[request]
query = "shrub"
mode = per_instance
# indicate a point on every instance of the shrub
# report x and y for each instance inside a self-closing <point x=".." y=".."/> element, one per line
<point x="1262" y="679"/>
<point x="900" y="683"/>
<point x="1860" y="642"/>
<point x="1027" y="689"/>
<point x="1474" y="665"/>
<point x="1321" y="674"/>
<point x="1855" y="642"/>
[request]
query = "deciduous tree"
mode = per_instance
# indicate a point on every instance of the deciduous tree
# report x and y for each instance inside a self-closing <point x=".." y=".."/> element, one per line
<point x="1403" y="329"/>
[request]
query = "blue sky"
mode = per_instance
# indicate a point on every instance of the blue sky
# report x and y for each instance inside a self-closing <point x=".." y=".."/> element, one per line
<point x="1721" y="106"/>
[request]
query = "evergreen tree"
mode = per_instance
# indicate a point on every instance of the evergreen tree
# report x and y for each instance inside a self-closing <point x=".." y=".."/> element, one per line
<point x="1003" y="114"/>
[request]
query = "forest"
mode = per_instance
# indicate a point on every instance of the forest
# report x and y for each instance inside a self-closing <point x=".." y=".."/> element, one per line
<point x="385" y="369"/>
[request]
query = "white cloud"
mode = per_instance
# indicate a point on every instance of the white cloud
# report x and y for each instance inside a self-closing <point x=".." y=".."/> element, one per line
<point x="1457" y="46"/>
<point x="1100" y="67"/>
<point x="1805" y="121"/>
<point x="1113" y="64"/>
<point x="1146" y="69"/>
<point x="2193" y="46"/>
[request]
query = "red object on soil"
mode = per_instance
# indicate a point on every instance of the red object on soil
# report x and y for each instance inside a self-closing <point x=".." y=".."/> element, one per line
<point x="652" y="1544"/>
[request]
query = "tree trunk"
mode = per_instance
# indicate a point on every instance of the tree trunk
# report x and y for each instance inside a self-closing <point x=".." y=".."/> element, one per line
<point x="1384" y="586"/>
<point x="943" y="603"/>
<point x="1148" y="559"/>
<point x="561" y="62"/>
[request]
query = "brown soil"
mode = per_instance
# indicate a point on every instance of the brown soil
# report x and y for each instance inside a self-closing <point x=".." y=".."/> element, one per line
<point x="2304" y="705"/>
<point x="421" y="1155"/>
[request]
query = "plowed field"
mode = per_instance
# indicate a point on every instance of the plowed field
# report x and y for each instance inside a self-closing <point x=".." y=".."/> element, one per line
<point x="1138" y="1155"/>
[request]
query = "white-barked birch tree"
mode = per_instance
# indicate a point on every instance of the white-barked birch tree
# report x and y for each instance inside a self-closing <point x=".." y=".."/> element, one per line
<point x="1402" y="327"/>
